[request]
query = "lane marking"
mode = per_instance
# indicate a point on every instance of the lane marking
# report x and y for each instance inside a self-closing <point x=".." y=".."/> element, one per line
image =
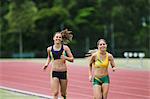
<point x="27" y="92"/>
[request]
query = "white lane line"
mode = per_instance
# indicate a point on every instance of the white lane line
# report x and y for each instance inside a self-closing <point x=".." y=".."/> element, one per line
<point x="27" y="92"/>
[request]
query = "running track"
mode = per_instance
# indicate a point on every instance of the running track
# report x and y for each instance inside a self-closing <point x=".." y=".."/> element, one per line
<point x="125" y="84"/>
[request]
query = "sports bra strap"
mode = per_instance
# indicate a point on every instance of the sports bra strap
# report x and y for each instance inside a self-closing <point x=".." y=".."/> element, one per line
<point x="101" y="63"/>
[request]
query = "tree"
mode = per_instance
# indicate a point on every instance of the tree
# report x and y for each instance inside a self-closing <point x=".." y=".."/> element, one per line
<point x="21" y="17"/>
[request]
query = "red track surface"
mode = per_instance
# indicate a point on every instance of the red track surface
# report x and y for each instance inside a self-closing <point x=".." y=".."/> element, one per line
<point x="125" y="84"/>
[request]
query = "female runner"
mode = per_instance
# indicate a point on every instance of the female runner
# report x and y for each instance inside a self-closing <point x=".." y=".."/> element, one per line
<point x="57" y="55"/>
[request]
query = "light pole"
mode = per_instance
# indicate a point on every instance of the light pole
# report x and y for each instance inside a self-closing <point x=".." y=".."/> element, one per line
<point x="145" y="25"/>
<point x="87" y="43"/>
<point x="0" y="43"/>
<point x="20" y="44"/>
<point x="144" y="22"/>
<point x="112" y="37"/>
<point x="105" y="31"/>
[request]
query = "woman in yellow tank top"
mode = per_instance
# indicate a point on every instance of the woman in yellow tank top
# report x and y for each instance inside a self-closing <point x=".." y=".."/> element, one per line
<point x="99" y="62"/>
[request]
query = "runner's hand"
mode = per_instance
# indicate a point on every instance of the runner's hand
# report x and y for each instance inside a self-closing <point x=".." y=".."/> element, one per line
<point x="114" y="69"/>
<point x="90" y="78"/>
<point x="63" y="57"/>
<point x="44" y="67"/>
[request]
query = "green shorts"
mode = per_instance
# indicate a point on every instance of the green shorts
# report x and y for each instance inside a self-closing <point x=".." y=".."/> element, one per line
<point x="102" y="80"/>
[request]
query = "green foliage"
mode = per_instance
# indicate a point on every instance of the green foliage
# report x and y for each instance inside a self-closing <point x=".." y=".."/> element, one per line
<point x="38" y="20"/>
<point x="21" y="18"/>
<point x="83" y="14"/>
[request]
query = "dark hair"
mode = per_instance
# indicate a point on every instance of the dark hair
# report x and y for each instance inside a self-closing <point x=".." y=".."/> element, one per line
<point x="101" y="40"/>
<point x="90" y="52"/>
<point x="66" y="36"/>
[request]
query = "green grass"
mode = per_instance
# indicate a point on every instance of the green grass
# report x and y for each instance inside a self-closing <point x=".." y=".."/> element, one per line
<point x="5" y="94"/>
<point x="132" y="63"/>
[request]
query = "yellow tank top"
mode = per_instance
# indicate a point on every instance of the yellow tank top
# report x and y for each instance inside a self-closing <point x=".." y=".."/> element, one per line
<point x="99" y="63"/>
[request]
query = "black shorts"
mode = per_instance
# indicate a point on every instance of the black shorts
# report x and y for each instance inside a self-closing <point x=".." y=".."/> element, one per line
<point x="59" y="75"/>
